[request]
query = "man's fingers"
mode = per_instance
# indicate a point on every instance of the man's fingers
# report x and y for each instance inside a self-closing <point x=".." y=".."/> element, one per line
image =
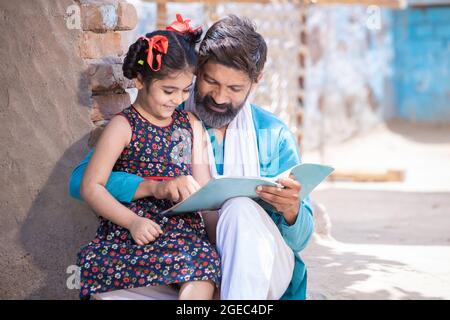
<point x="290" y="183"/>
<point x="281" y="192"/>
<point x="272" y="199"/>
<point x="280" y="204"/>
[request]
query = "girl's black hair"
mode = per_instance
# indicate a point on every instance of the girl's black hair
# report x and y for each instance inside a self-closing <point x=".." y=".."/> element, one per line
<point x="181" y="54"/>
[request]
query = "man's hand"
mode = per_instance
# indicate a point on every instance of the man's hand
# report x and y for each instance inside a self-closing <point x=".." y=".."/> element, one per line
<point x="285" y="200"/>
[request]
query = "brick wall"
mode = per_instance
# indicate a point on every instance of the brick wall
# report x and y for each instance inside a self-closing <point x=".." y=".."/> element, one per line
<point x="102" y="46"/>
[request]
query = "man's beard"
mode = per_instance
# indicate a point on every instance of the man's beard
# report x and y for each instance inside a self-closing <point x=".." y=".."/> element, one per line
<point x="214" y="119"/>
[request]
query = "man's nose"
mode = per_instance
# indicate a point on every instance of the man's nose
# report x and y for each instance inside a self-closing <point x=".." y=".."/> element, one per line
<point x="219" y="96"/>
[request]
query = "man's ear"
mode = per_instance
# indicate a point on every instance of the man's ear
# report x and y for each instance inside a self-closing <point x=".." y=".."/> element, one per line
<point x="259" y="77"/>
<point x="138" y="82"/>
<point x="255" y="84"/>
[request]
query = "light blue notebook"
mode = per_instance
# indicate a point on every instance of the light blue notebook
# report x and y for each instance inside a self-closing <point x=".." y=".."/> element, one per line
<point x="218" y="190"/>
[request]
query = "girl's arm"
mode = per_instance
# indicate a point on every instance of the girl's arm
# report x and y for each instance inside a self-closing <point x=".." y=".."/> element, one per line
<point x="201" y="171"/>
<point x="200" y="163"/>
<point x="113" y="140"/>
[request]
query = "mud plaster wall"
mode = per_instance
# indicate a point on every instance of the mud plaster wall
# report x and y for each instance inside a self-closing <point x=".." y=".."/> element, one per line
<point x="349" y="70"/>
<point x="44" y="126"/>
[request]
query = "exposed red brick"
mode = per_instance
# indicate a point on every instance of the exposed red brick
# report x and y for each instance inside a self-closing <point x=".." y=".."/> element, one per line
<point x="104" y="107"/>
<point x="102" y="16"/>
<point x="105" y="76"/>
<point x="127" y="16"/>
<point x="99" y="45"/>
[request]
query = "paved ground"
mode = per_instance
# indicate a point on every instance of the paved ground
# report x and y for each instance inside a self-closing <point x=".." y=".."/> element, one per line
<point x="422" y="151"/>
<point x="389" y="240"/>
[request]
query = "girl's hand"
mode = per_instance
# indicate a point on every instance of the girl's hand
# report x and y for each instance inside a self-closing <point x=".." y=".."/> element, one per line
<point x="144" y="230"/>
<point x="176" y="189"/>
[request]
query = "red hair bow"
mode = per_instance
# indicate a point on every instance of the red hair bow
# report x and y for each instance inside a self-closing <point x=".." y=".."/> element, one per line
<point x="182" y="26"/>
<point x="158" y="43"/>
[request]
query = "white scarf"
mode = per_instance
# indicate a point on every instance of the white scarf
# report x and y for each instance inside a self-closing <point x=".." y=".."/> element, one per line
<point x="241" y="150"/>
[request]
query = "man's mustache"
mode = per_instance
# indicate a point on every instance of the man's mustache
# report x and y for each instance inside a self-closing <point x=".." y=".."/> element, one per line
<point x="208" y="100"/>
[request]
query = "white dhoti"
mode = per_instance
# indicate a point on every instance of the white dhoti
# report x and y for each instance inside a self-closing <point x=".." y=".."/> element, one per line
<point x="256" y="261"/>
<point x="143" y="293"/>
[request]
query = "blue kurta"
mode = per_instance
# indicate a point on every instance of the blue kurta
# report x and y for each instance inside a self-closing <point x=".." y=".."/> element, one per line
<point x="277" y="153"/>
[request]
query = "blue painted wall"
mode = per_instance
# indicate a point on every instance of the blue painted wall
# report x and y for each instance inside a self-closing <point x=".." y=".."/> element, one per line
<point x="422" y="63"/>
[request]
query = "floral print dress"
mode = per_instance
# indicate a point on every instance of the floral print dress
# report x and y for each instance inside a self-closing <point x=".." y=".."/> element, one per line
<point x="113" y="261"/>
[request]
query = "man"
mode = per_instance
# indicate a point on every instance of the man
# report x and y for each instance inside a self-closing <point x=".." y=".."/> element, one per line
<point x="258" y="242"/>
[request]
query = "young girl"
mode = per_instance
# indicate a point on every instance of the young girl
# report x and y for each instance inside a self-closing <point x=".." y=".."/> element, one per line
<point x="135" y="245"/>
